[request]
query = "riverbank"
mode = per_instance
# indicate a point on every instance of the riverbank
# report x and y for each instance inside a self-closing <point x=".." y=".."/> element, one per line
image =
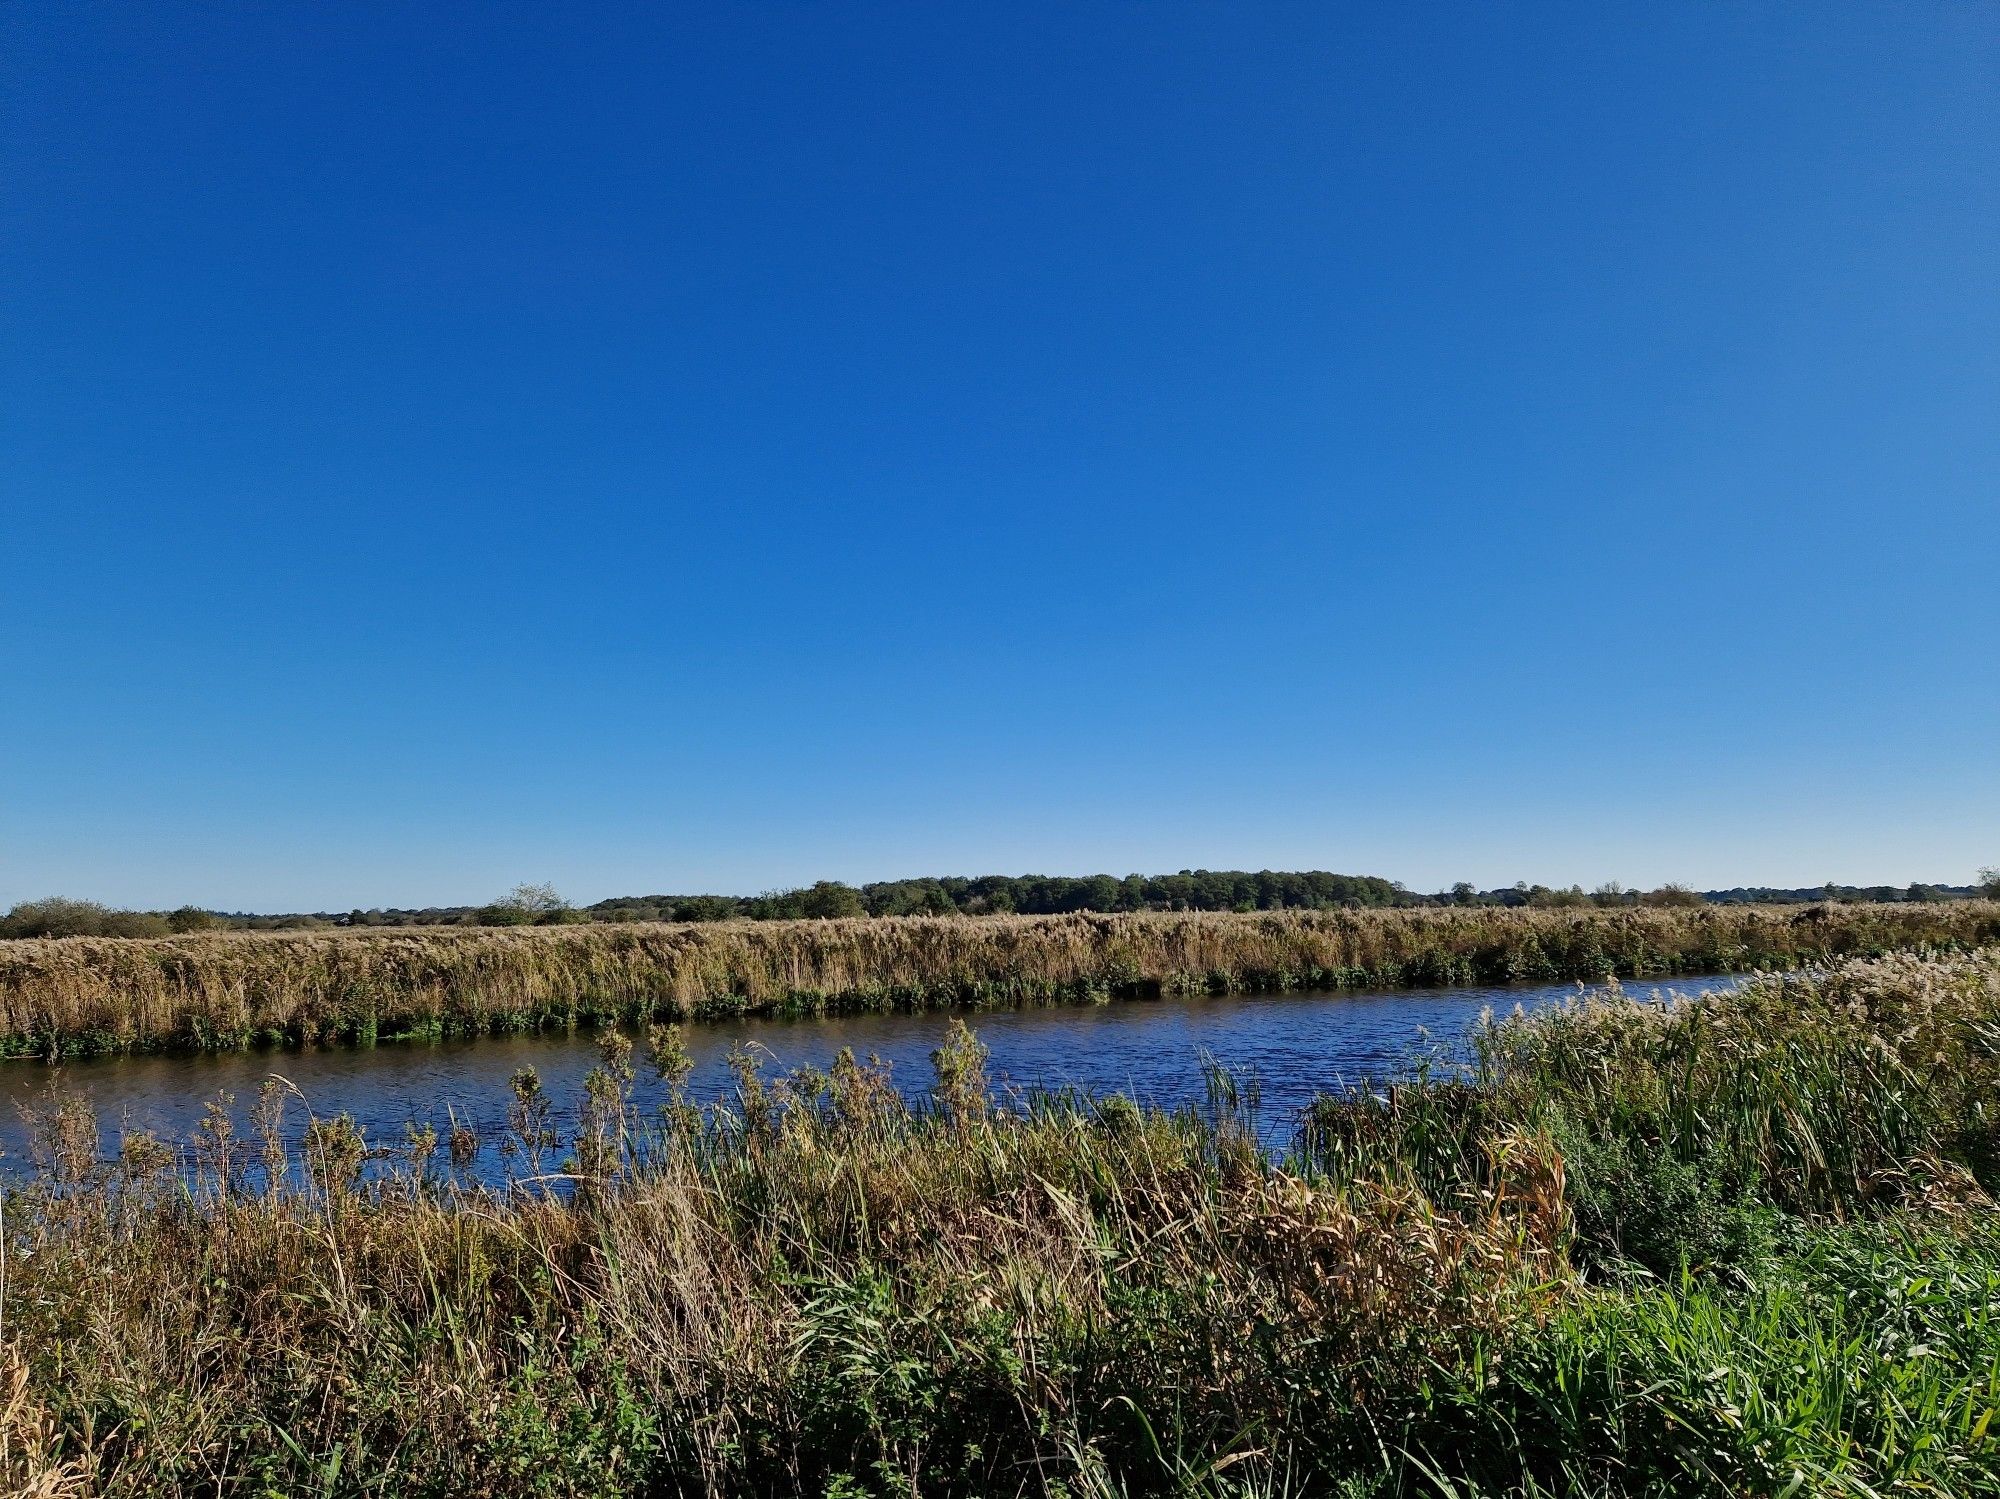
<point x="83" y="996"/>
<point x="1742" y="1246"/>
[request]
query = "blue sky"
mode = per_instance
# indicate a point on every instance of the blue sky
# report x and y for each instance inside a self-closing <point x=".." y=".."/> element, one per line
<point x="664" y="448"/>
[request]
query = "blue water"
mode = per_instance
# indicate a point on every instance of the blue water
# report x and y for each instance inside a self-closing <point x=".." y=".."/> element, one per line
<point x="1295" y="1046"/>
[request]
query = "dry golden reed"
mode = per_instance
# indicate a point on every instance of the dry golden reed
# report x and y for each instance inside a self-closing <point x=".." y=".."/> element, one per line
<point x="78" y="995"/>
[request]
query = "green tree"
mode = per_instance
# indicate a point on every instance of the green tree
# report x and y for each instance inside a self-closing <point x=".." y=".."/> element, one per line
<point x="829" y="898"/>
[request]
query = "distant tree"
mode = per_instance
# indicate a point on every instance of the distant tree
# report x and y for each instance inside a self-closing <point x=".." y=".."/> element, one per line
<point x="525" y="905"/>
<point x="995" y="896"/>
<point x="706" y="908"/>
<point x="1100" y="892"/>
<point x="537" y="900"/>
<point x="1672" y="895"/>
<point x="828" y="899"/>
<point x="193" y="919"/>
<point x="1989" y="883"/>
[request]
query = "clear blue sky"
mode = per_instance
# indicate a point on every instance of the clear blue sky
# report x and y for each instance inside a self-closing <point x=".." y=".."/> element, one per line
<point x="657" y="448"/>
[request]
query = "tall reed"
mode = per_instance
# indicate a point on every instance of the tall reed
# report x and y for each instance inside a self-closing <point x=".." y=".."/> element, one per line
<point x="76" y="996"/>
<point x="1833" y="1094"/>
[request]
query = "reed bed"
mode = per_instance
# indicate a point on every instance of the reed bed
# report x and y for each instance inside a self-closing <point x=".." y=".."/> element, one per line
<point x="825" y="1290"/>
<point x="78" y="996"/>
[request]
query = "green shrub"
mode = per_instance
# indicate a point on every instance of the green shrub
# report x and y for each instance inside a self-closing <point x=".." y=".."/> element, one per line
<point x="59" y="917"/>
<point x="1639" y="1205"/>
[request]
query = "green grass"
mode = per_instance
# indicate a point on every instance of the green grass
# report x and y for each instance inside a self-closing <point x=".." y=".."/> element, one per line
<point x="1854" y="1361"/>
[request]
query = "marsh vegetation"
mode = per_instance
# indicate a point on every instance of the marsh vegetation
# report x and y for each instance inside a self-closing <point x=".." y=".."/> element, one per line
<point x="1740" y="1245"/>
<point x="223" y="990"/>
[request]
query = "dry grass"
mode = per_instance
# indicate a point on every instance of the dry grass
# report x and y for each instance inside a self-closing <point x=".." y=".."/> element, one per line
<point x="219" y="990"/>
<point x="922" y="1302"/>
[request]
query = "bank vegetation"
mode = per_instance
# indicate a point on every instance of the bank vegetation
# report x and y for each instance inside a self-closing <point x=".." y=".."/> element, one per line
<point x="220" y="990"/>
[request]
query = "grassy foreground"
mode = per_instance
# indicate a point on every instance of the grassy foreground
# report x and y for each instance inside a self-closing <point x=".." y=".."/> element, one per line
<point x="79" y="996"/>
<point x="1739" y="1246"/>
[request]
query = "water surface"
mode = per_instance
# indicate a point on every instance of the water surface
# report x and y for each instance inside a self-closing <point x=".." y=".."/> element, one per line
<point x="1294" y="1045"/>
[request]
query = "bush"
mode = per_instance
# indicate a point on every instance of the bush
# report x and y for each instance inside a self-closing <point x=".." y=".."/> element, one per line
<point x="59" y="917"/>
<point x="501" y="913"/>
<point x="1639" y="1206"/>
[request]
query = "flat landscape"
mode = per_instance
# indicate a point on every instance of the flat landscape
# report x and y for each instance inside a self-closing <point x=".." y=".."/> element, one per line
<point x="999" y="750"/>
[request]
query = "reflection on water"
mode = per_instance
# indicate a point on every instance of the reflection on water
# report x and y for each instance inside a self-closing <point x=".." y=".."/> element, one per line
<point x="1296" y="1045"/>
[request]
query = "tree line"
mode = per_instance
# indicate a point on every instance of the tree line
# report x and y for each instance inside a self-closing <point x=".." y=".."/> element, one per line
<point x="958" y="895"/>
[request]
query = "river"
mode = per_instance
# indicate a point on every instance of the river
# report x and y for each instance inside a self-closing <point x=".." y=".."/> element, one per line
<point x="1294" y="1045"/>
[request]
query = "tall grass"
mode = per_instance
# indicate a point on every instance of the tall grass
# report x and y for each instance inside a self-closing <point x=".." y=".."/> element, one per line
<point x="825" y="1290"/>
<point x="831" y="1296"/>
<point x="202" y="991"/>
<point x="1829" y="1095"/>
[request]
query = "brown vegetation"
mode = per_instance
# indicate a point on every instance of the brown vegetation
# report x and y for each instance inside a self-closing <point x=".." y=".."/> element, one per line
<point x="209" y="990"/>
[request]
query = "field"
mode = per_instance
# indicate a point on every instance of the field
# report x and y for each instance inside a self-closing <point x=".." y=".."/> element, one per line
<point x="1741" y="1246"/>
<point x="80" y="996"/>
